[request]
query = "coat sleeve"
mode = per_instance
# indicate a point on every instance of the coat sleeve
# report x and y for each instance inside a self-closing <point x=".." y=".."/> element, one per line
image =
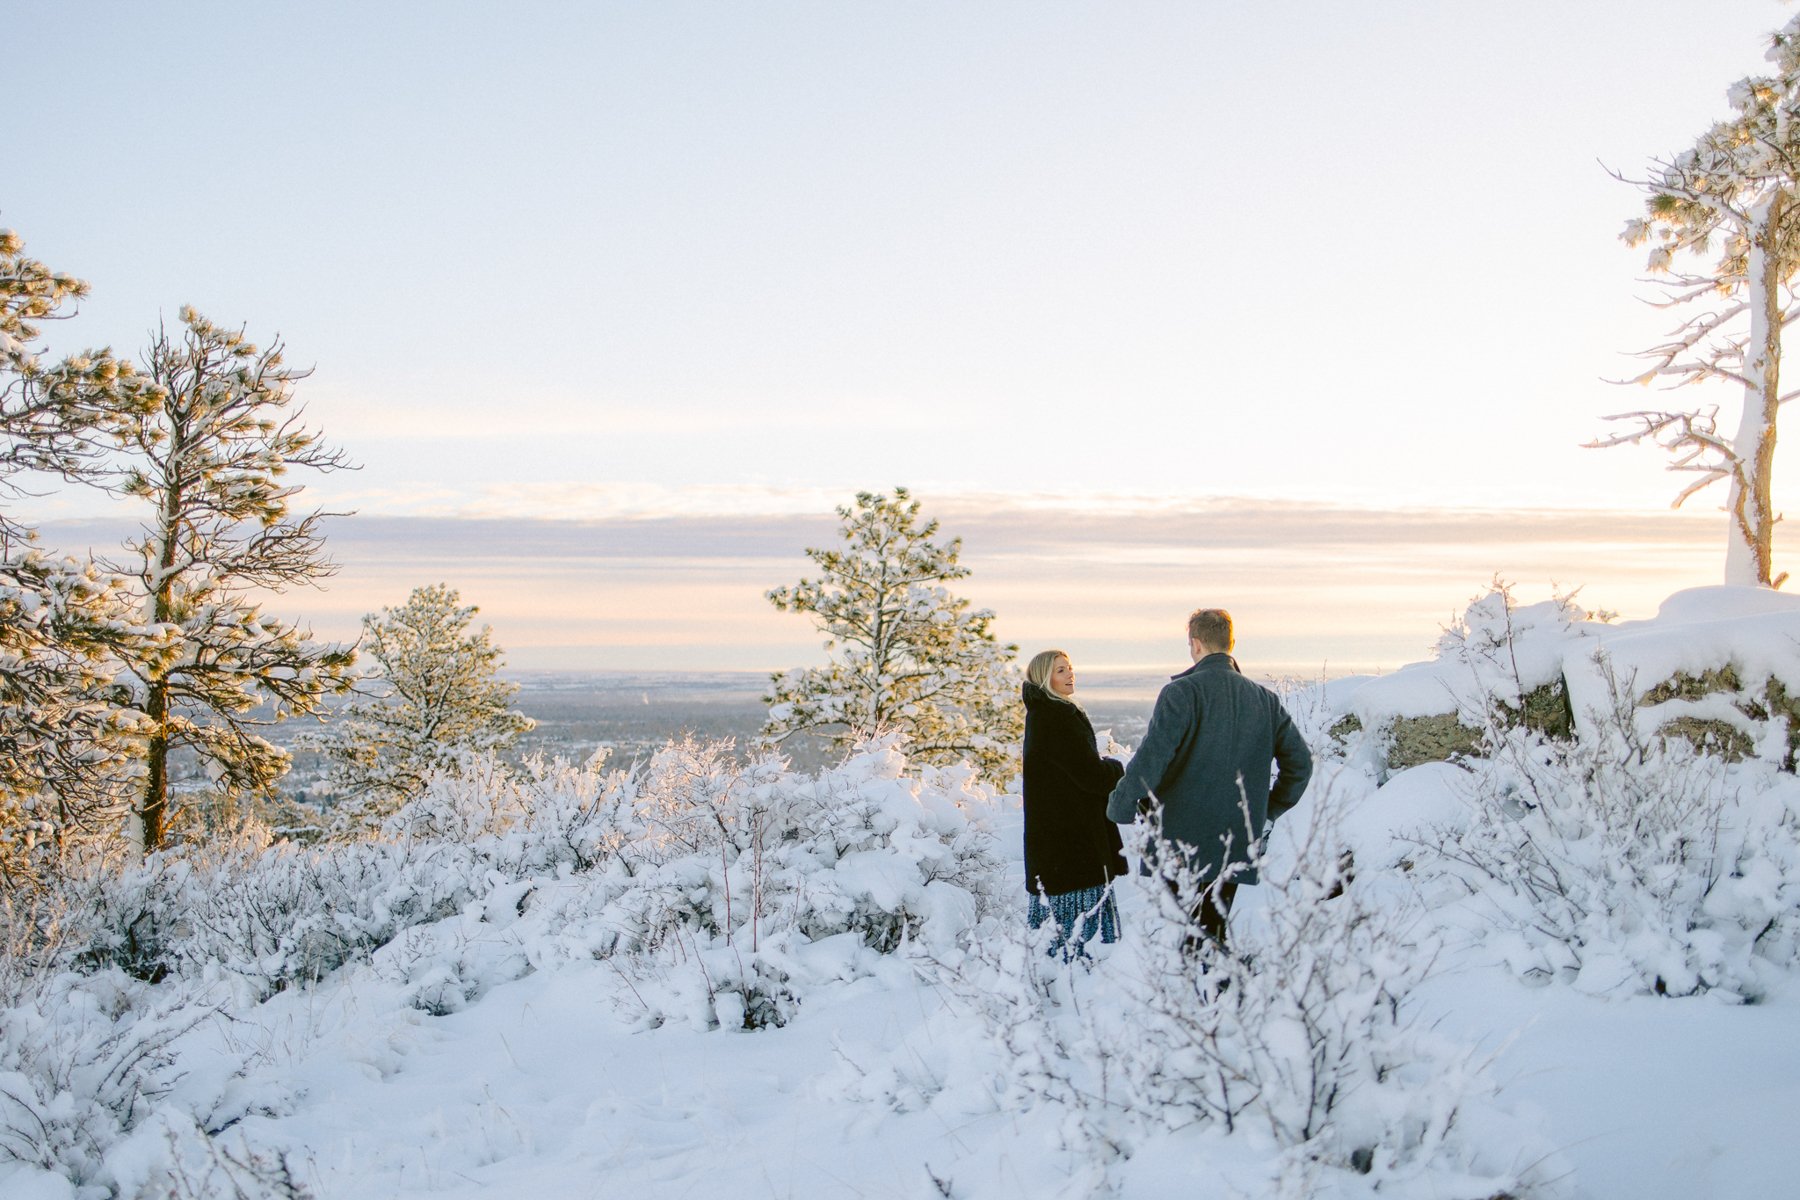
<point x="1293" y="762"/>
<point x="1078" y="760"/>
<point x="1171" y="724"/>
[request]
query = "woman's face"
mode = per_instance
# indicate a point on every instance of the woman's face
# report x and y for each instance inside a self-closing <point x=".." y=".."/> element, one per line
<point x="1062" y="677"/>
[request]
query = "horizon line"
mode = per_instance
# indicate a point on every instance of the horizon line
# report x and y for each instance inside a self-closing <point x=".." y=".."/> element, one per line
<point x="629" y="504"/>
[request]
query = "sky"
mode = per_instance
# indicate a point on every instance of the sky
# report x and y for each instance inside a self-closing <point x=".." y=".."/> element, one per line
<point x="1300" y="308"/>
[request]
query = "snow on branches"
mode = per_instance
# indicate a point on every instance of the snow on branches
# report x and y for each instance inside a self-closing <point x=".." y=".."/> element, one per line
<point x="210" y="461"/>
<point x="431" y="699"/>
<point x="1729" y="206"/>
<point x="58" y="418"/>
<point x="67" y="724"/>
<point x="907" y="655"/>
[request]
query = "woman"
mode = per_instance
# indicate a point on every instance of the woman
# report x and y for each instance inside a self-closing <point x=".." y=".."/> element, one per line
<point x="1071" y="849"/>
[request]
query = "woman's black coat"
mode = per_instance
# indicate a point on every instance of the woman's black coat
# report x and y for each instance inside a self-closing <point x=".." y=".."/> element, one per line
<point x="1069" y="843"/>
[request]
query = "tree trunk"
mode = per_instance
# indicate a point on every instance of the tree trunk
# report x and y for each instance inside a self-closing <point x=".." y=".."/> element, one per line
<point x="153" y="811"/>
<point x="1749" y="508"/>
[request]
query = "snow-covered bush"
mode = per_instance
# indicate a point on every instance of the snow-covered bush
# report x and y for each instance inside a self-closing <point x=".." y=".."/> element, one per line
<point x="1503" y="651"/>
<point x="736" y="874"/>
<point x="266" y="919"/>
<point x="720" y="891"/>
<point x="178" y="1159"/>
<point x="542" y="816"/>
<point x="1298" y="1039"/>
<point x="697" y="859"/>
<point x="1625" y="814"/>
<point x="1627" y="861"/>
<point x="90" y="1067"/>
<point x="83" y="1059"/>
<point x="271" y="916"/>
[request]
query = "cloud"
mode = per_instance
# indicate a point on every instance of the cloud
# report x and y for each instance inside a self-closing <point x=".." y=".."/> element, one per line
<point x="1310" y="584"/>
<point x="993" y="529"/>
<point x="1313" y="585"/>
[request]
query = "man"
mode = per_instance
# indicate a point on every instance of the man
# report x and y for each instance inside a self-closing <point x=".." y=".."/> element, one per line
<point x="1205" y="759"/>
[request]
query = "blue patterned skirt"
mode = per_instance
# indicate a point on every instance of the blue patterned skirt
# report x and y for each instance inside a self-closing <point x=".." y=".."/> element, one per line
<point x="1092" y="909"/>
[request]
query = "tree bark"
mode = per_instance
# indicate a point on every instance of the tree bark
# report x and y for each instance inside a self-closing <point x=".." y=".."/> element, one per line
<point x="1749" y="507"/>
<point x="153" y="811"/>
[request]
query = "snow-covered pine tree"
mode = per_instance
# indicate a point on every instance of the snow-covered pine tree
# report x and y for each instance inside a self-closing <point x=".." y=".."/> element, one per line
<point x="906" y="655"/>
<point x="70" y="735"/>
<point x="209" y="461"/>
<point x="58" y="417"/>
<point x="1723" y="227"/>
<point x="65" y="724"/>
<point x="431" y="699"/>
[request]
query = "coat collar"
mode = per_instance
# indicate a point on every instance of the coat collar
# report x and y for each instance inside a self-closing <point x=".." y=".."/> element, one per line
<point x="1039" y="699"/>
<point x="1220" y="661"/>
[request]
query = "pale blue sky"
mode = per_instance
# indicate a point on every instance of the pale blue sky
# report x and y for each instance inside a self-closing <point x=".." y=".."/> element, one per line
<point x="557" y="260"/>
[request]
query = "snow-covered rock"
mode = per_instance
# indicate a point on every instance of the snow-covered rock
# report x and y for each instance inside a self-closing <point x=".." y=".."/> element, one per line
<point x="1717" y="665"/>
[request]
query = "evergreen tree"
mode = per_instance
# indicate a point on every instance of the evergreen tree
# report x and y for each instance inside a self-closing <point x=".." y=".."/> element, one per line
<point x="431" y="698"/>
<point x="62" y="417"/>
<point x="1723" y="227"/>
<point x="66" y="723"/>
<point x="906" y="654"/>
<point x="70" y="734"/>
<point x="210" y="462"/>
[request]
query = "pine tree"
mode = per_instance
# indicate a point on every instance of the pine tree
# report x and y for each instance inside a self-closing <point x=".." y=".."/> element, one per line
<point x="431" y="699"/>
<point x="210" y="462"/>
<point x="70" y="734"/>
<point x="1723" y="227"/>
<point x="907" y="656"/>
<point x="59" y="418"/>
<point x="66" y="724"/>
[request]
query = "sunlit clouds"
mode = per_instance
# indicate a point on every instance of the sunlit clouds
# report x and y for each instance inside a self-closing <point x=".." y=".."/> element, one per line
<point x="1315" y="588"/>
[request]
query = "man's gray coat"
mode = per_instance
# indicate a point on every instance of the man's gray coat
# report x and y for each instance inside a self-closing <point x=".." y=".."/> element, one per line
<point x="1207" y="751"/>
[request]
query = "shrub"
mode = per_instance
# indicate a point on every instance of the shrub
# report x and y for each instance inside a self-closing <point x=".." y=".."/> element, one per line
<point x="698" y="857"/>
<point x="1630" y="861"/>
<point x="735" y="872"/>
<point x="83" y="1060"/>
<point x="1300" y="1035"/>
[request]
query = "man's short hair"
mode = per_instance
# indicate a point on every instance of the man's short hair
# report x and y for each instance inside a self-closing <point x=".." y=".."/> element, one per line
<point x="1211" y="627"/>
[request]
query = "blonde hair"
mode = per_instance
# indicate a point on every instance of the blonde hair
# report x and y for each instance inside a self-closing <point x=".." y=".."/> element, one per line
<point x="1038" y="671"/>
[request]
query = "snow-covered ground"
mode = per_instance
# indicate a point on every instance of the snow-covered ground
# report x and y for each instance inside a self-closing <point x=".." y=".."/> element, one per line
<point x="517" y="999"/>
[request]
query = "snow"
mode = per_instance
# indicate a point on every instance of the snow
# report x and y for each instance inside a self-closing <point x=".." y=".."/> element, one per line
<point x="538" y="1092"/>
<point x="1647" y="1098"/>
<point x="1501" y="653"/>
<point x="543" y="984"/>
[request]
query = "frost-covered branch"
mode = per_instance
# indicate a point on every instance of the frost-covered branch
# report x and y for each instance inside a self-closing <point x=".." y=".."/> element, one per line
<point x="210" y="463"/>
<point x="431" y="700"/>
<point x="61" y="418"/>
<point x="908" y="655"/>
<point x="1730" y="202"/>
